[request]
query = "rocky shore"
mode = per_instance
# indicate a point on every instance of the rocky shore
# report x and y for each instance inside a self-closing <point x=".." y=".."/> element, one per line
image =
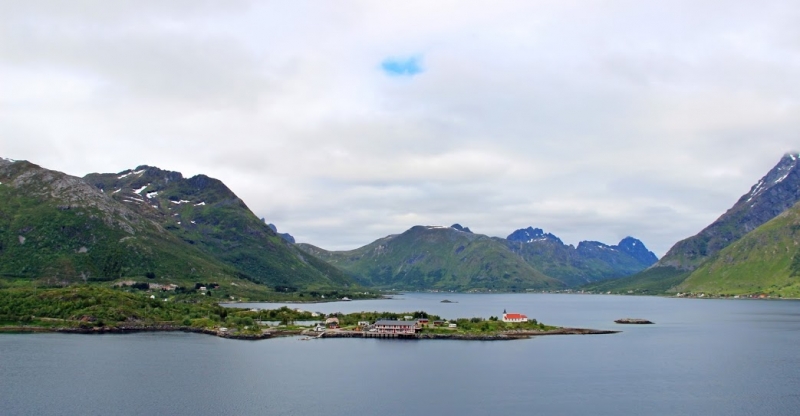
<point x="500" y="336"/>
<point x="128" y="329"/>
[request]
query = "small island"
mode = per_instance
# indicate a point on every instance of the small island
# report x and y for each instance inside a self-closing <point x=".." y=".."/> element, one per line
<point x="633" y="321"/>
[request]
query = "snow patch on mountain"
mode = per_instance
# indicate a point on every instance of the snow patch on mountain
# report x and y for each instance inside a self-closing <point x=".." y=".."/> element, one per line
<point x="123" y="176"/>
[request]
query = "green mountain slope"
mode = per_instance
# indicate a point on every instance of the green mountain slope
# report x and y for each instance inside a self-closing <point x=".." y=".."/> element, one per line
<point x="60" y="230"/>
<point x="766" y="260"/>
<point x="207" y="215"/>
<point x="776" y="192"/>
<point x="443" y="258"/>
<point x="653" y="281"/>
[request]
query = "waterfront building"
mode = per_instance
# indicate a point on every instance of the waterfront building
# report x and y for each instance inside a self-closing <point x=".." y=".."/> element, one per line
<point x="395" y="327"/>
<point x="514" y="317"/>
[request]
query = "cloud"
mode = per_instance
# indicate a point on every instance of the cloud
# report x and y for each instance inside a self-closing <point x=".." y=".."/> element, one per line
<point x="402" y="67"/>
<point x="592" y="121"/>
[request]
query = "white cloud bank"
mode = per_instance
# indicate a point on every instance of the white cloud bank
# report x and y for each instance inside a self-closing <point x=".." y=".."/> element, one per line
<point x="592" y="120"/>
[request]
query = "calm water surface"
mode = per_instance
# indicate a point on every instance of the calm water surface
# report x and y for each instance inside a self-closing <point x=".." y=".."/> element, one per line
<point x="703" y="357"/>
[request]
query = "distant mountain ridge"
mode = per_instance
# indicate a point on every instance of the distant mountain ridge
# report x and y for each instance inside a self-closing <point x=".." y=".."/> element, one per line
<point x="591" y="261"/>
<point x="152" y="222"/>
<point x="455" y="258"/>
<point x="436" y="257"/>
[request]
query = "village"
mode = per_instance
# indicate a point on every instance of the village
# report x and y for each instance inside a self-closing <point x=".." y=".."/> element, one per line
<point x="406" y="326"/>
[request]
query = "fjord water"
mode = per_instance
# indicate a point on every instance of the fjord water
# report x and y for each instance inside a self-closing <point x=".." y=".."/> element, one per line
<point x="702" y="357"/>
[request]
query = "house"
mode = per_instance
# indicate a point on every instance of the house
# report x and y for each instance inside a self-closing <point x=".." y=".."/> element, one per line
<point x="438" y="323"/>
<point x="395" y="327"/>
<point x="363" y="324"/>
<point x="514" y="317"/>
<point x="422" y="322"/>
<point x="332" y="322"/>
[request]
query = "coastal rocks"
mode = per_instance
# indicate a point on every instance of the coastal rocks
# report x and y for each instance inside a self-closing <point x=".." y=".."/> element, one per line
<point x="126" y="329"/>
<point x="499" y="336"/>
<point x="636" y="321"/>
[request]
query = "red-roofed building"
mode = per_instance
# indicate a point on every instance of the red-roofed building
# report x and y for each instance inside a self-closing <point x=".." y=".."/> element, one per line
<point x="514" y="317"/>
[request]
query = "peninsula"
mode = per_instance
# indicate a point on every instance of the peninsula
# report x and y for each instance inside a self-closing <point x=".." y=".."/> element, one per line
<point x="98" y="310"/>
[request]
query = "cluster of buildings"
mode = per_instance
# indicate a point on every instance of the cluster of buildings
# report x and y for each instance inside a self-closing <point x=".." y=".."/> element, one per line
<point x="407" y="327"/>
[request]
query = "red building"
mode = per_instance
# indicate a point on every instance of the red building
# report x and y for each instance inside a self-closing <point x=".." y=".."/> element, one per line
<point x="514" y="317"/>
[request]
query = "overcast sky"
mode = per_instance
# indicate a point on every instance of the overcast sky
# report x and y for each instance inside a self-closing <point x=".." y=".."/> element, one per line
<point x="345" y="121"/>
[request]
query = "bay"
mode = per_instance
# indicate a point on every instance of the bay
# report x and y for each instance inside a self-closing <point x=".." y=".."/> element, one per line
<point x="702" y="357"/>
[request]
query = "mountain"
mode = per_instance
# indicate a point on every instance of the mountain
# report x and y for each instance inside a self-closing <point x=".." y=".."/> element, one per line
<point x="637" y="250"/>
<point x="591" y="261"/>
<point x="444" y="258"/>
<point x="765" y="260"/>
<point x="773" y="194"/>
<point x="144" y="225"/>
<point x="204" y="213"/>
<point x="776" y="192"/>
<point x="59" y="229"/>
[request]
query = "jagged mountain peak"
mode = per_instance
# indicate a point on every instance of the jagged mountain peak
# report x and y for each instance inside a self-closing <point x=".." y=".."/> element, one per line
<point x="637" y="249"/>
<point x="286" y="236"/>
<point x="588" y="244"/>
<point x="460" y="228"/>
<point x="530" y="235"/>
<point x="786" y="167"/>
<point x="145" y="184"/>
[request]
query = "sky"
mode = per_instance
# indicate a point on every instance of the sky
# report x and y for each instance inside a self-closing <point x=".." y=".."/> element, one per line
<point x="343" y="122"/>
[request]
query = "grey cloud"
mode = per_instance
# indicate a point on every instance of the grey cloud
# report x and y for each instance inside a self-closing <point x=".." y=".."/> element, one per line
<point x="592" y="121"/>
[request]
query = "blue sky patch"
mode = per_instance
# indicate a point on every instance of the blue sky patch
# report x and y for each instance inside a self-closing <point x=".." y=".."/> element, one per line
<point x="402" y="67"/>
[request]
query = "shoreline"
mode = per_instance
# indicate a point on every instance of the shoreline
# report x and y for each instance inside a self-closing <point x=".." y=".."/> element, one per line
<point x="149" y="328"/>
<point x="501" y="336"/>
